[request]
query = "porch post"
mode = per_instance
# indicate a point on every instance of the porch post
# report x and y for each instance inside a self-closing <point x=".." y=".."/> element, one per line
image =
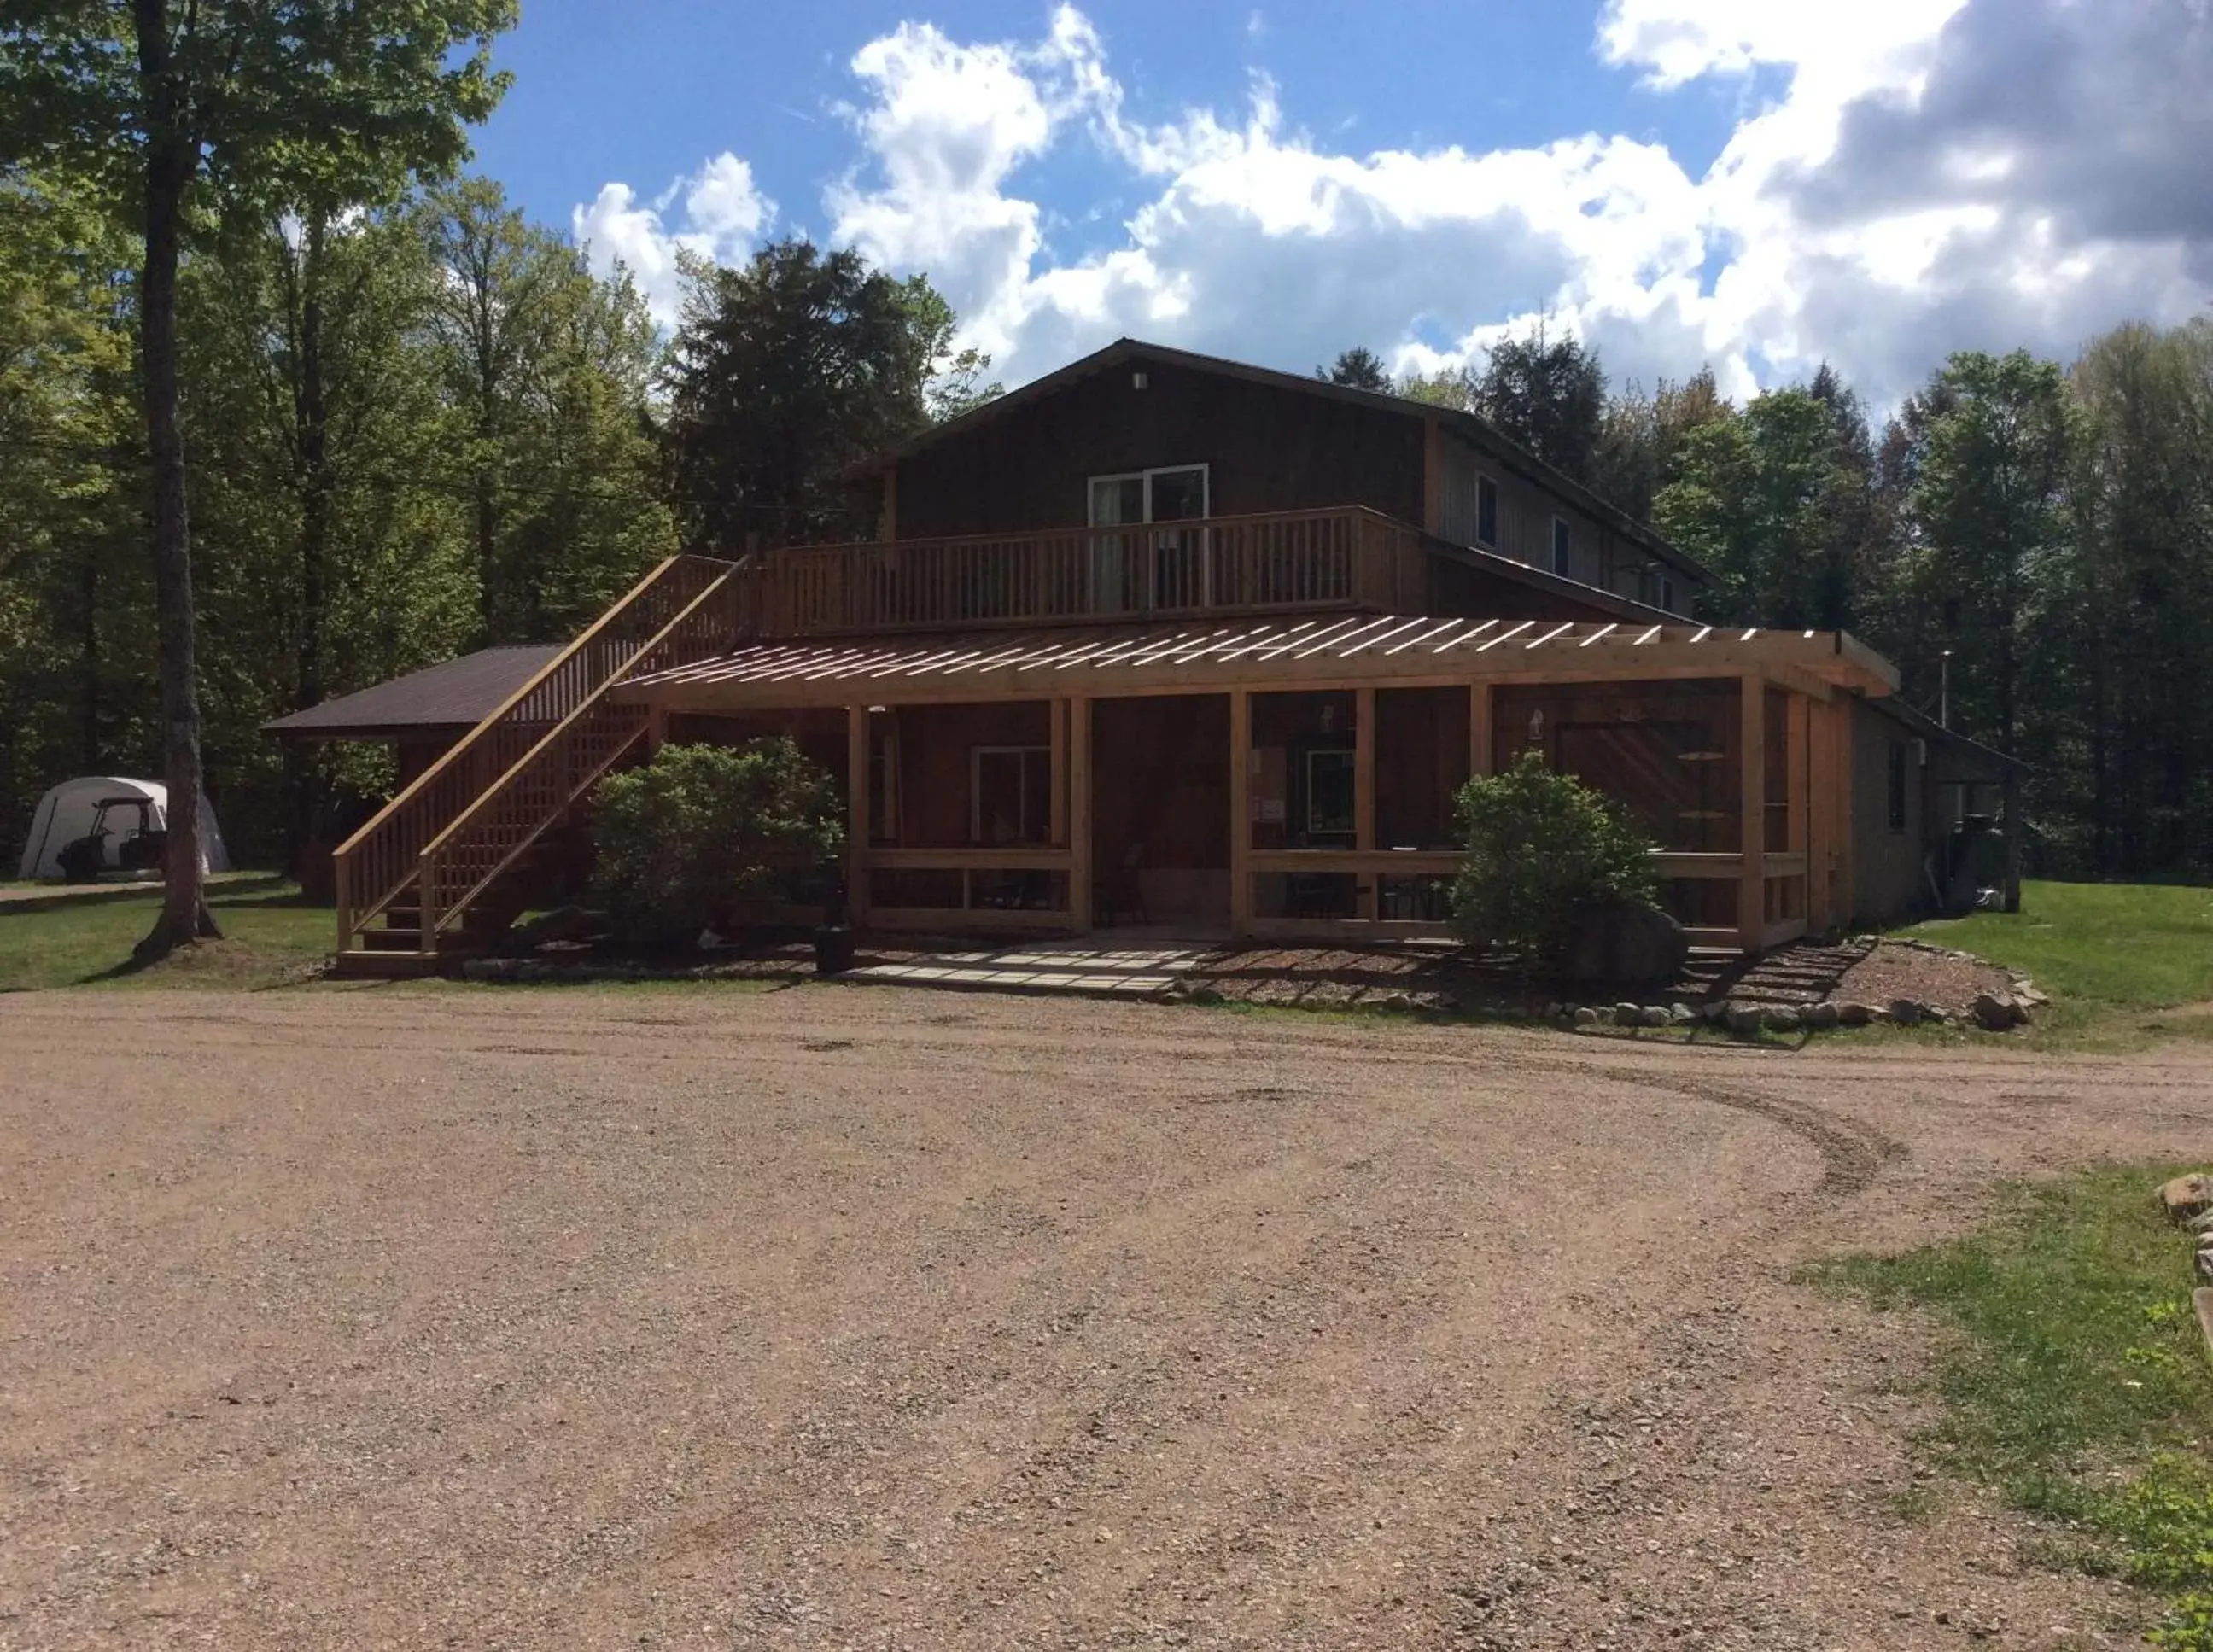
<point x="1479" y="759"/>
<point x="1364" y="796"/>
<point x="1752" y="876"/>
<point x="2016" y="834"/>
<point x="1058" y="714"/>
<point x="1821" y="816"/>
<point x="857" y="814"/>
<point x="1241" y="812"/>
<point x="1079" y="814"/>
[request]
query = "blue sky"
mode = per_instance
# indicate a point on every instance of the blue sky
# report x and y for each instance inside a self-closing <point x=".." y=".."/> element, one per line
<point x="1754" y="184"/>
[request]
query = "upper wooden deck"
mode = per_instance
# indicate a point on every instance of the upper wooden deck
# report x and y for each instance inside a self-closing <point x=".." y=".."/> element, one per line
<point x="1347" y="558"/>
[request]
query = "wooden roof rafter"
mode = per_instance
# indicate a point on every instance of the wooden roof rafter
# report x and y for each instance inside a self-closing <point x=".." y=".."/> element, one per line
<point x="1320" y="651"/>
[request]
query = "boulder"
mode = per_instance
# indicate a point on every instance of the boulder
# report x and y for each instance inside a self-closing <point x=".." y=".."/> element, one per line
<point x="2205" y="1266"/>
<point x="1585" y="1015"/>
<point x="1784" y="1018"/>
<point x="1657" y="1016"/>
<point x="1906" y="1012"/>
<point x="2187" y="1197"/>
<point x="1854" y="1014"/>
<point x="1822" y="1016"/>
<point x="1997" y="1012"/>
<point x="1620" y="943"/>
<point x="1629" y="1014"/>
<point x="1743" y="1019"/>
<point x="563" y="924"/>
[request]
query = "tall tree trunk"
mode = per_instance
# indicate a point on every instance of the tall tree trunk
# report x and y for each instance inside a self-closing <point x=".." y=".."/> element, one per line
<point x="89" y="757"/>
<point x="315" y="511"/>
<point x="170" y="161"/>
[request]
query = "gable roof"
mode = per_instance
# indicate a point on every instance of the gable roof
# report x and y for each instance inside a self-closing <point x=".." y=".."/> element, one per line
<point x="1479" y="432"/>
<point x="455" y="695"/>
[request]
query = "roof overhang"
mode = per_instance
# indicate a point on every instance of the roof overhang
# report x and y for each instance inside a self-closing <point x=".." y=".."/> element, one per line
<point x="1358" y="650"/>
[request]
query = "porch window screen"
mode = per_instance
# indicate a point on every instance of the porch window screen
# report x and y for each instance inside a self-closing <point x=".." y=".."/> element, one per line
<point x="1010" y="795"/>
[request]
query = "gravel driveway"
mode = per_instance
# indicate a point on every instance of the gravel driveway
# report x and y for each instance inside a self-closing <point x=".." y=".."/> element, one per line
<point x="866" y="1318"/>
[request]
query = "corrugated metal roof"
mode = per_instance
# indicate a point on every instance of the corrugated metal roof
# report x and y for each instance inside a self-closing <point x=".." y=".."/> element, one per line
<point x="1354" y="645"/>
<point x="458" y="694"/>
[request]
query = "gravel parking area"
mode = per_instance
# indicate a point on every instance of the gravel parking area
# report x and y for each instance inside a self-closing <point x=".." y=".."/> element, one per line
<point x="871" y="1318"/>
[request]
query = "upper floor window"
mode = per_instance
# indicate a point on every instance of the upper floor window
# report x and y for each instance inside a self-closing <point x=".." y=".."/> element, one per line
<point x="1560" y="562"/>
<point x="1486" y="511"/>
<point x="1167" y="493"/>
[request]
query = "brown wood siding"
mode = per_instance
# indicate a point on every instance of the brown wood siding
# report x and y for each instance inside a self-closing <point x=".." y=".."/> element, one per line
<point x="935" y="743"/>
<point x="1886" y="877"/>
<point x="1269" y="449"/>
<point x="1597" y="554"/>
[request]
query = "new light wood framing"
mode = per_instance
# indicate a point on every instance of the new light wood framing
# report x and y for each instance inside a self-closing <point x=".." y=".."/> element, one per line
<point x="1357" y="653"/>
<point x="857" y="846"/>
<point x="1752" y="858"/>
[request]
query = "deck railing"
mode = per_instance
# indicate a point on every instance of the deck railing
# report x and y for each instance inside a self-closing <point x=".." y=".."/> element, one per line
<point x="526" y="752"/>
<point x="1346" y="556"/>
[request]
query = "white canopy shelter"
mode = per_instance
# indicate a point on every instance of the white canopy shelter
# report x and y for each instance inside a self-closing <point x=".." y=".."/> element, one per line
<point x="66" y="813"/>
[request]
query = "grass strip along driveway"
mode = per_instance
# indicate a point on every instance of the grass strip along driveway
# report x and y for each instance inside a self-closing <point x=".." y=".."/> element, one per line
<point x="270" y="935"/>
<point x="2122" y="961"/>
<point x="2078" y="1384"/>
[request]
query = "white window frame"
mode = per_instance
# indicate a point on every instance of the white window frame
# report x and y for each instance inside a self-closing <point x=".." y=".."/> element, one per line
<point x="1559" y="548"/>
<point x="1206" y="491"/>
<point x="976" y="756"/>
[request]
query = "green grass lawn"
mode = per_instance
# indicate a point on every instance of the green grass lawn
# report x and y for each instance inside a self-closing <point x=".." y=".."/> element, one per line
<point x="269" y="936"/>
<point x="2120" y="960"/>
<point x="2077" y="1381"/>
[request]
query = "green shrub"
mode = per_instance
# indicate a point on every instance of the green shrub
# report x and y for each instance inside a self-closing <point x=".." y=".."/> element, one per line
<point x="683" y="839"/>
<point x="1539" y="846"/>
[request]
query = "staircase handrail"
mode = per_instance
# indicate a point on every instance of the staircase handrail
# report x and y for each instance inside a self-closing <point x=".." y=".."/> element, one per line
<point x="351" y="919"/>
<point x="484" y="799"/>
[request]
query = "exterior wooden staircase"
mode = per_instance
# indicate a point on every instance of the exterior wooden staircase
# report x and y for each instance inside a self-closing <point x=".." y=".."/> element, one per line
<point x="445" y="865"/>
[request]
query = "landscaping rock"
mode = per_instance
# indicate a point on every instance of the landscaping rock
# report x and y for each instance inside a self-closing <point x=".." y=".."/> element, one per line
<point x="492" y="969"/>
<point x="1744" y="1020"/>
<point x="1681" y="1015"/>
<point x="563" y="924"/>
<point x="1997" y="1012"/>
<point x="1585" y="1015"/>
<point x="1784" y="1020"/>
<point x="1854" y="1014"/>
<point x="1629" y="1014"/>
<point x="1822" y="1016"/>
<point x="1618" y="942"/>
<point x="2205" y="1266"/>
<point x="2187" y="1197"/>
<point x="1906" y="1012"/>
<point x="1656" y="1016"/>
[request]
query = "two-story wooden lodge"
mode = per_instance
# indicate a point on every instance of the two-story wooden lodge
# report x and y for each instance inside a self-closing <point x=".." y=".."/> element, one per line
<point x="1170" y="641"/>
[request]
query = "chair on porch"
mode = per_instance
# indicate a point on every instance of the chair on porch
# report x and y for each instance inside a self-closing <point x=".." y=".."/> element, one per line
<point x="1122" y="895"/>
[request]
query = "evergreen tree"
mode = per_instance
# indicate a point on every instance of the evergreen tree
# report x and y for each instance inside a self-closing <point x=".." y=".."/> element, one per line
<point x="1357" y="368"/>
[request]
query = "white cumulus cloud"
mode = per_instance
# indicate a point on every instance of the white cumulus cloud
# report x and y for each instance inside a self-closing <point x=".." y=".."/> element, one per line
<point x="722" y="213"/>
<point x="1918" y="175"/>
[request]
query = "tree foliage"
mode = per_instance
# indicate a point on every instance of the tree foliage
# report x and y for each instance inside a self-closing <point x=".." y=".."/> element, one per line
<point x="1357" y="368"/>
<point x="785" y="374"/>
<point x="311" y="105"/>
<point x="684" y="840"/>
<point x="1547" y="392"/>
<point x="1540" y="845"/>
